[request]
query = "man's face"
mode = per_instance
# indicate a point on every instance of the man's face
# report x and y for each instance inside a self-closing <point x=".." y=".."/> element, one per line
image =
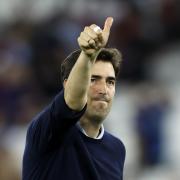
<point x="101" y="91"/>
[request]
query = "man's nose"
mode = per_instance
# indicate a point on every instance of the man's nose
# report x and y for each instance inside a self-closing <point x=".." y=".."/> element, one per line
<point x="103" y="87"/>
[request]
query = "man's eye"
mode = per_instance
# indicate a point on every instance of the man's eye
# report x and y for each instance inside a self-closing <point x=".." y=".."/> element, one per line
<point x="93" y="79"/>
<point x="111" y="82"/>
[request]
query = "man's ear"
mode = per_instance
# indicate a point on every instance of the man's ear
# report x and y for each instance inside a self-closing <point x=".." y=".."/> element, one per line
<point x="64" y="83"/>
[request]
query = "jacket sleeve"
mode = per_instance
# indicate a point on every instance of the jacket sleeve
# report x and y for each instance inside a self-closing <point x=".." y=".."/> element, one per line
<point x="49" y="127"/>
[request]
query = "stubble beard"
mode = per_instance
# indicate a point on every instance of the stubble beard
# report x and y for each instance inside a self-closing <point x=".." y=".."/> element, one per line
<point x="97" y="113"/>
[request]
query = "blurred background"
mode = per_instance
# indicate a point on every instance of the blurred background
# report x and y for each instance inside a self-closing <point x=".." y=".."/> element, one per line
<point x="35" y="37"/>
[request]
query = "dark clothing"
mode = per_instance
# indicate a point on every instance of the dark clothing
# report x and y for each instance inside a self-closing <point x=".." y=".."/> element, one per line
<point x="57" y="150"/>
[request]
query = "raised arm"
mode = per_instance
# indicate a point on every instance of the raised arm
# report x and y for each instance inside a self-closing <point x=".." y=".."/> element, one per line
<point x="90" y="41"/>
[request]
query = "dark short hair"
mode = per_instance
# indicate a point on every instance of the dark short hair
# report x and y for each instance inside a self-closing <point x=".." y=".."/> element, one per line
<point x="111" y="55"/>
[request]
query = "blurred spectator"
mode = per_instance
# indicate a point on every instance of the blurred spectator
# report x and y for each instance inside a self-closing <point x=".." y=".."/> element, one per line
<point x="153" y="105"/>
<point x="15" y="72"/>
<point x="170" y="18"/>
<point x="45" y="64"/>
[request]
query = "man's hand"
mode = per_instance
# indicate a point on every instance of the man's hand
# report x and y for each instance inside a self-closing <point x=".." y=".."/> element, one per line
<point x="92" y="39"/>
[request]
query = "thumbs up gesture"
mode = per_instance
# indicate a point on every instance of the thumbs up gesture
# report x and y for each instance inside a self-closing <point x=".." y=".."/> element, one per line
<point x="93" y="38"/>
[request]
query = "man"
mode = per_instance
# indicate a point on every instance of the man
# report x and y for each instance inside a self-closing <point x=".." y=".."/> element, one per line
<point x="67" y="141"/>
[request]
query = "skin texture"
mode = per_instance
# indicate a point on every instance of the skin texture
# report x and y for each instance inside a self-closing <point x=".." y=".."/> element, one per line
<point x="101" y="91"/>
<point x="79" y="88"/>
<point x="100" y="96"/>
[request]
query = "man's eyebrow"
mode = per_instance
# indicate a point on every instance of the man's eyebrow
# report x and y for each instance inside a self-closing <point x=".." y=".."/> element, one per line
<point x="99" y="77"/>
<point x="111" y="78"/>
<point x="96" y="76"/>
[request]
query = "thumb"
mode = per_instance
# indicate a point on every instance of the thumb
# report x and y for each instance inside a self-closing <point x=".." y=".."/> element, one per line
<point x="107" y="25"/>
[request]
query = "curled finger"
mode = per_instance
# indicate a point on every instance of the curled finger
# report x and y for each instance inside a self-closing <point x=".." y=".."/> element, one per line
<point x="92" y="43"/>
<point x="83" y="43"/>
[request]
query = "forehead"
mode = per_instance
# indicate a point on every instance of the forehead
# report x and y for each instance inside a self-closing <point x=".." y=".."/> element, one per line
<point x="103" y="68"/>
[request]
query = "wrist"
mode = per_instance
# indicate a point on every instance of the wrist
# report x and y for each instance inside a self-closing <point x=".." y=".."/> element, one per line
<point x="90" y="56"/>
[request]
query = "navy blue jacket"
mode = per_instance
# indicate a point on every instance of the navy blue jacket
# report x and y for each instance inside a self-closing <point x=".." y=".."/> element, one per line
<point x="57" y="150"/>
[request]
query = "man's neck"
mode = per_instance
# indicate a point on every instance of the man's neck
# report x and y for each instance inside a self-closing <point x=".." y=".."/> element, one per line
<point x="91" y="129"/>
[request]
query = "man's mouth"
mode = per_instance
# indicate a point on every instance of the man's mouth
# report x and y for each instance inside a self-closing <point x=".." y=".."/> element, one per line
<point x="102" y="99"/>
